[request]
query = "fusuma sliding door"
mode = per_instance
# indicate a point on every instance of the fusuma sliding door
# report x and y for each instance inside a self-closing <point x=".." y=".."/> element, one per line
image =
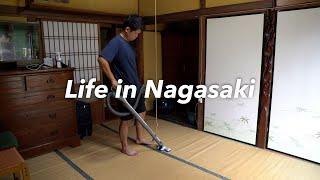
<point x="295" y="107"/>
<point x="233" y="50"/>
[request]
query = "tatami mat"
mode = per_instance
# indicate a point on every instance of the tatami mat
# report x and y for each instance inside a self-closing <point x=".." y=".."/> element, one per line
<point x="99" y="157"/>
<point x="108" y="163"/>
<point x="229" y="158"/>
<point x="51" y="166"/>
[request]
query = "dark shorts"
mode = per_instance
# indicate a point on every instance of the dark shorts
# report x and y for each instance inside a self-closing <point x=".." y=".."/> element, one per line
<point x="141" y="107"/>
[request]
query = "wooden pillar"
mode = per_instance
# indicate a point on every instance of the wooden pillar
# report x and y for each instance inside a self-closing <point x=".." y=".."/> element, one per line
<point x="266" y="77"/>
<point x="202" y="4"/>
<point x="202" y="68"/>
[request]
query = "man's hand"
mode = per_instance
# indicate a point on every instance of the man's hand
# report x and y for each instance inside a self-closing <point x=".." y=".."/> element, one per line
<point x="104" y="64"/>
<point x="114" y="84"/>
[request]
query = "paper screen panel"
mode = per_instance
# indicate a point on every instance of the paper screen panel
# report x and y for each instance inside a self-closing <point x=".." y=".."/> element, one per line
<point x="234" y="50"/>
<point x="295" y="107"/>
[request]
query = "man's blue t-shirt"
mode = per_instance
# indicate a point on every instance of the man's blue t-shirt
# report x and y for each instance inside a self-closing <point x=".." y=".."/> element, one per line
<point x="122" y="59"/>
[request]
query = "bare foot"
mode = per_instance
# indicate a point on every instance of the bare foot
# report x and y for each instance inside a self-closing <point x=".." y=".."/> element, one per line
<point x="143" y="142"/>
<point x="129" y="152"/>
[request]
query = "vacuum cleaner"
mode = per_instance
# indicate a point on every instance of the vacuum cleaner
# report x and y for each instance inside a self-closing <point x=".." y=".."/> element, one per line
<point x="161" y="147"/>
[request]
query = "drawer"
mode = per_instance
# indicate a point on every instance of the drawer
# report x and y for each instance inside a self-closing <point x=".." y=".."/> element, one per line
<point x="4" y="79"/>
<point x="11" y="85"/>
<point x="42" y="106"/>
<point x="43" y="134"/>
<point x="47" y="81"/>
<point x="25" y="99"/>
<point x="28" y="120"/>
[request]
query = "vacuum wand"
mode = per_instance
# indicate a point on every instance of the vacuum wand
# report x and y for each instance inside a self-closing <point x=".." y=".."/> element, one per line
<point x="161" y="146"/>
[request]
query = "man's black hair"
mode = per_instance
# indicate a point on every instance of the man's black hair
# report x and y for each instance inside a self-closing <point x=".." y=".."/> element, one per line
<point x="134" y="22"/>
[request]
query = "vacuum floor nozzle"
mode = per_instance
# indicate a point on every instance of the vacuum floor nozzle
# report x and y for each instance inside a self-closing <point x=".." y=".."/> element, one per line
<point x="163" y="149"/>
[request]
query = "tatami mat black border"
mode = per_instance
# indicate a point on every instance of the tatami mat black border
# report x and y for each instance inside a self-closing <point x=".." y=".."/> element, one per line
<point x="73" y="165"/>
<point x="176" y="158"/>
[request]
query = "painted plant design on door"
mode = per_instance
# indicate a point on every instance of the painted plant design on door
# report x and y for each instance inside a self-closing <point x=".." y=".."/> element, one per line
<point x="234" y="50"/>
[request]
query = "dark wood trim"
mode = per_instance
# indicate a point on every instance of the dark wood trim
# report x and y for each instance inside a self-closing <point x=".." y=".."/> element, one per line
<point x="180" y="16"/>
<point x="187" y="15"/>
<point x="105" y="25"/>
<point x="99" y="37"/>
<point x="258" y="6"/>
<point x="202" y="4"/>
<point x="25" y="71"/>
<point x="252" y="7"/>
<point x="100" y="49"/>
<point x="202" y="68"/>
<point x="237" y="13"/>
<point x="293" y="2"/>
<point x="41" y="41"/>
<point x="28" y="3"/>
<point x="62" y="14"/>
<point x="269" y="37"/>
<point x="298" y="6"/>
<point x="67" y="16"/>
<point x="274" y="3"/>
<point x="10" y="10"/>
<point x="67" y="10"/>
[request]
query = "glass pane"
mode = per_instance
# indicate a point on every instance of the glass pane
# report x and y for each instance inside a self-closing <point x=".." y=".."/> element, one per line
<point x="18" y="41"/>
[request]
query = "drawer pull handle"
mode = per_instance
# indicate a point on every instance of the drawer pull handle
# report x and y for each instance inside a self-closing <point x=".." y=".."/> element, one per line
<point x="50" y="80"/>
<point x="50" y="97"/>
<point x="52" y="115"/>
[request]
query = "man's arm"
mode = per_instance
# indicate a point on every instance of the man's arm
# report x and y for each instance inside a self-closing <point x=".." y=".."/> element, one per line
<point x="104" y="64"/>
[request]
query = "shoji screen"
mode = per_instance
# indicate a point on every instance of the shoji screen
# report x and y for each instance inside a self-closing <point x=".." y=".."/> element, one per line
<point x="295" y="107"/>
<point x="78" y="43"/>
<point x="234" y="50"/>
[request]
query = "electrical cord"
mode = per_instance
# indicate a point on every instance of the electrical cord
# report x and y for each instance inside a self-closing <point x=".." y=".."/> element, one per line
<point x="35" y="67"/>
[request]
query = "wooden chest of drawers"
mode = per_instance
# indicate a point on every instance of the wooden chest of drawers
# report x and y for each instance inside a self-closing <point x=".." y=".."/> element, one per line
<point x="33" y="107"/>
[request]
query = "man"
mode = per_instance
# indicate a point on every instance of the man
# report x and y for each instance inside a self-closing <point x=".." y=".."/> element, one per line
<point x="118" y="61"/>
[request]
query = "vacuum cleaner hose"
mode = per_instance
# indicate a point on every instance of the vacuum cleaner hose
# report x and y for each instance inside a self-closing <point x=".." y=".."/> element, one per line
<point x="121" y="114"/>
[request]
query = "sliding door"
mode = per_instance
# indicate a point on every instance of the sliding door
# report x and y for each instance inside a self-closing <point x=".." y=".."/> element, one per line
<point x="78" y="44"/>
<point x="234" y="51"/>
<point x="295" y="107"/>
